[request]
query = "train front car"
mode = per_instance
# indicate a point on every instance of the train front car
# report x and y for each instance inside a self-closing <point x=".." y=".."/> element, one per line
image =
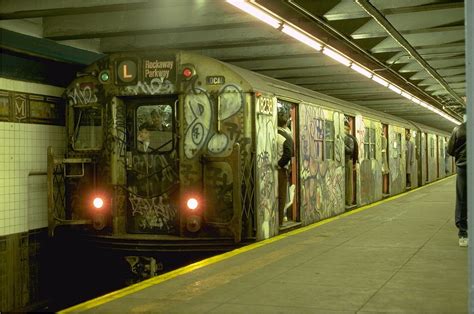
<point x="158" y="156"/>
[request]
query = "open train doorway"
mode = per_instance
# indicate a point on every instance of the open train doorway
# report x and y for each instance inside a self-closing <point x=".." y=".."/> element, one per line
<point x="385" y="166"/>
<point x="288" y="213"/>
<point x="351" y="153"/>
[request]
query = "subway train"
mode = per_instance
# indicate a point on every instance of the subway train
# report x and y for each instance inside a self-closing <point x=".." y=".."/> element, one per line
<point x="170" y="151"/>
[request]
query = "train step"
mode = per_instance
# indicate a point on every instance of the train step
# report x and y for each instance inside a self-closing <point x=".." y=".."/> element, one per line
<point x="289" y="225"/>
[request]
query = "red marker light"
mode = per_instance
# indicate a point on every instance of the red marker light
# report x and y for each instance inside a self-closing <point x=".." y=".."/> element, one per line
<point x="187" y="72"/>
<point x="98" y="202"/>
<point x="192" y="204"/>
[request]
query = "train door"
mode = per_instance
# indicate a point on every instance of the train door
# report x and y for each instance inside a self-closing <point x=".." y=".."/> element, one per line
<point x="437" y="156"/>
<point x="420" y="157"/>
<point x="288" y="179"/>
<point x="427" y="158"/>
<point x="292" y="212"/>
<point x="152" y="174"/>
<point x="385" y="167"/>
<point x="351" y="169"/>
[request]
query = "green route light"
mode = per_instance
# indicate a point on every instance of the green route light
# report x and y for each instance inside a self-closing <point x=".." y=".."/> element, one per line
<point x="104" y="76"/>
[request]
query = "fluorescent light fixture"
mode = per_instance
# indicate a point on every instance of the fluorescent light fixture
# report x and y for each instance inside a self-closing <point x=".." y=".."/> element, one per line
<point x="380" y="80"/>
<point x="336" y="56"/>
<point x="415" y="100"/>
<point x="361" y="70"/>
<point x="394" y="88"/>
<point x="423" y="104"/>
<point x="256" y="12"/>
<point x="298" y="35"/>
<point x="407" y="96"/>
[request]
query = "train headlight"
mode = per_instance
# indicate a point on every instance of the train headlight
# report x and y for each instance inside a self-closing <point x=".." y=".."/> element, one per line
<point x="192" y="204"/>
<point x="98" y="203"/>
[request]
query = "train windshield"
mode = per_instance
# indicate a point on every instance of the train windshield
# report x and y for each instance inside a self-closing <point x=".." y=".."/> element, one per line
<point x="87" y="128"/>
<point x="154" y="128"/>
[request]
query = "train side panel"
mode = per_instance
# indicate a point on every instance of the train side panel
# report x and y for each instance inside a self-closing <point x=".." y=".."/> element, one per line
<point x="432" y="157"/>
<point x="266" y="165"/>
<point x="370" y="160"/>
<point x="321" y="163"/>
<point x="396" y="159"/>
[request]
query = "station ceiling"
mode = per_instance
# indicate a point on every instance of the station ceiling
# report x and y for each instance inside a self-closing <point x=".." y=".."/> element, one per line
<point x="418" y="45"/>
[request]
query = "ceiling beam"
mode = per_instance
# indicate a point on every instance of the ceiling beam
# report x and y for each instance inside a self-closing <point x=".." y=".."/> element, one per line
<point x="14" y="9"/>
<point x="162" y="19"/>
<point x="243" y="36"/>
<point x="401" y="10"/>
<point x="372" y="11"/>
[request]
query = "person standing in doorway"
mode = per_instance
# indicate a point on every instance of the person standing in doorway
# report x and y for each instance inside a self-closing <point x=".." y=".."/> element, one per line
<point x="410" y="157"/>
<point x="457" y="148"/>
<point x="351" y="152"/>
<point x="285" y="152"/>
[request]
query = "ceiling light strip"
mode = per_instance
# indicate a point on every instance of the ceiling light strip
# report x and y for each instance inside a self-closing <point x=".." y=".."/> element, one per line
<point x="298" y="35"/>
<point x="305" y="38"/>
<point x="256" y="12"/>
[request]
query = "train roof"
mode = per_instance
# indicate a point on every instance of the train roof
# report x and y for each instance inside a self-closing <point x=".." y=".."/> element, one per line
<point x="297" y="93"/>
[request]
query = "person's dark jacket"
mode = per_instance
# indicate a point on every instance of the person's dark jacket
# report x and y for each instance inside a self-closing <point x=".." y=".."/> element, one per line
<point x="457" y="145"/>
<point x="287" y="148"/>
<point x="351" y="148"/>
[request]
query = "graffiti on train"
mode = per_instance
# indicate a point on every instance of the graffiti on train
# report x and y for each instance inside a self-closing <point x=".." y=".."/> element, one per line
<point x="231" y="101"/>
<point x="322" y="181"/>
<point x="153" y="213"/>
<point x="266" y="193"/>
<point x="197" y="114"/>
<point x="219" y="194"/>
<point x="157" y="86"/>
<point x="202" y="127"/>
<point x="82" y="94"/>
<point x="152" y="173"/>
<point x="115" y="142"/>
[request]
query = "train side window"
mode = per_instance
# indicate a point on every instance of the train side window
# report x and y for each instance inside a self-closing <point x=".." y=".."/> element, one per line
<point x="328" y="140"/>
<point x="154" y="128"/>
<point x="372" y="143"/>
<point x="319" y="139"/>
<point x="88" y="132"/>
<point x="399" y="140"/>
<point x="367" y="144"/>
<point x="432" y="147"/>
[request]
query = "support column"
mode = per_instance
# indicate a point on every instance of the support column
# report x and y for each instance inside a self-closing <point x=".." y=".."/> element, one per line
<point x="469" y="17"/>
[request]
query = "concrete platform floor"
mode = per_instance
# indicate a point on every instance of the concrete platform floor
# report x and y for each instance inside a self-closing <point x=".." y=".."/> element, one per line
<point x="401" y="256"/>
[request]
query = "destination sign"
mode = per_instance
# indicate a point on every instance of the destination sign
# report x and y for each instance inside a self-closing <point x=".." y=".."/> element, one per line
<point x="158" y="68"/>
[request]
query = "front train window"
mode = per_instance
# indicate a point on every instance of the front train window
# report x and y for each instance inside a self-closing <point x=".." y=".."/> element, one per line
<point x="154" y="133"/>
<point x="88" y="132"/>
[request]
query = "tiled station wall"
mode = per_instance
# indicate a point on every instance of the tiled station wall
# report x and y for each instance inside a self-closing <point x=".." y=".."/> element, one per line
<point x="31" y="119"/>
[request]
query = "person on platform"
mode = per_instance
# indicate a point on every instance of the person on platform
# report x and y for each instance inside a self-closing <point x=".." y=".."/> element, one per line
<point x="351" y="152"/>
<point x="457" y="148"/>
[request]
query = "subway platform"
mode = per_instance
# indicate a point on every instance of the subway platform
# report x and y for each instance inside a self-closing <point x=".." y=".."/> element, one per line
<point x="400" y="255"/>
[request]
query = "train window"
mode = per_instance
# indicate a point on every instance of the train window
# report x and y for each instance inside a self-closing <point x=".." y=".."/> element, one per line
<point x="432" y="147"/>
<point x="399" y="140"/>
<point x="369" y="143"/>
<point x="366" y="144"/>
<point x="319" y="138"/>
<point x="87" y="128"/>
<point x="154" y="128"/>
<point x="372" y="143"/>
<point x="328" y="140"/>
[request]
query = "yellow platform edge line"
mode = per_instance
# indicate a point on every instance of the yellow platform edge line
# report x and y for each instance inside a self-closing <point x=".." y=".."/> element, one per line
<point x="215" y="259"/>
